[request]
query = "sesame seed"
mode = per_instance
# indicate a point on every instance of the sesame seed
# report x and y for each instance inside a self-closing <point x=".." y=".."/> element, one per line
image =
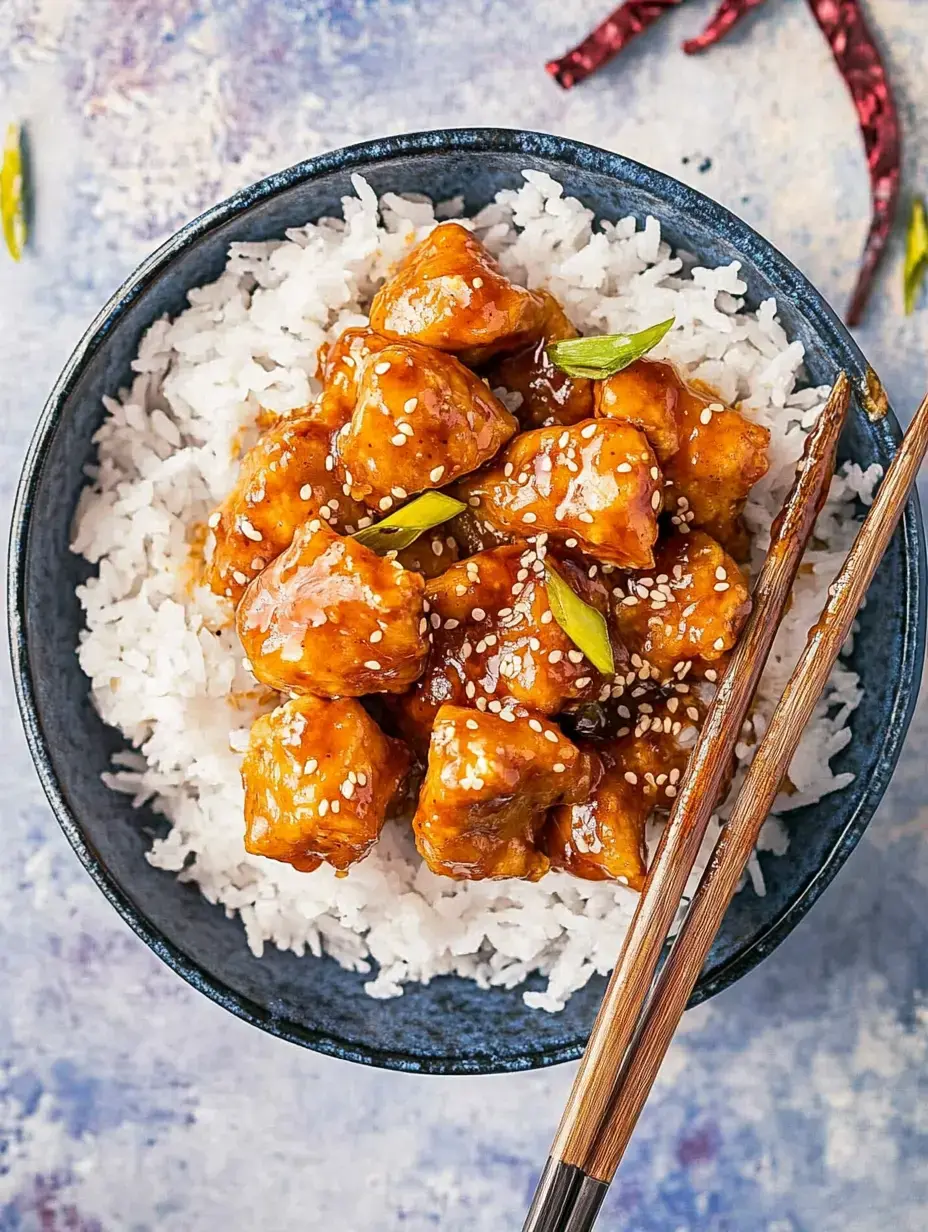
<point x="330" y="463"/>
<point x="372" y="665"/>
<point x="451" y="623"/>
<point x="507" y="470"/>
<point x="336" y="806"/>
<point x="705" y="416"/>
<point x="721" y="573"/>
<point x="534" y="644"/>
<point x="406" y="429"/>
<point x="551" y="736"/>
<point x="323" y="807"/>
<point x="629" y="600"/>
<point x="385" y="503"/>
<point x="238" y="576"/>
<point x="214" y="520"/>
<point x="585" y="517"/>
<point x="718" y="644"/>
<point x="478" y="613"/>
<point x="399" y="493"/>
<point x="712" y="676"/>
<point x="575" y="656"/>
<point x="547" y="617"/>
<point x="474" y="502"/>
<point x="654" y="473"/>
<point x="481" y="703"/>
<point x="248" y="530"/>
<point x="570" y="543"/>
<point x="472" y="725"/>
<point x="311" y="766"/>
<point x="436" y="474"/>
<point x="588" y="431"/>
<point x="670" y="790"/>
<point x="347" y="789"/>
<point x="535" y="725"/>
<point x="555" y="656"/>
<point x="655" y="500"/>
<point x="558" y="767"/>
<point x="362" y="779"/>
<point x="529" y="517"/>
<point x="381" y="368"/>
<point x="423" y="625"/>
<point x="398" y="440"/>
<point x="721" y="586"/>
<point x="563" y="440"/>
<point x="376" y="636"/>
<point x="583" y="682"/>
<point x="623" y="468"/>
<point x="494" y="706"/>
<point x="631" y="778"/>
<point x="470" y="689"/>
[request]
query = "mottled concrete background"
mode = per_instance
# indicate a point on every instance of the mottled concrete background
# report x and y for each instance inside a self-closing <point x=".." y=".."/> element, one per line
<point x="795" y="1102"/>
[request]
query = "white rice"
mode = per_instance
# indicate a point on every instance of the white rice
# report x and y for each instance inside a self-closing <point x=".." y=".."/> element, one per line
<point x="166" y="668"/>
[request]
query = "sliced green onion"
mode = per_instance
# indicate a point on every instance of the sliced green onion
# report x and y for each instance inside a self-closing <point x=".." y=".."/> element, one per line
<point x="12" y="206"/>
<point x="604" y="356"/>
<point x="405" y="526"/>
<point x="584" y="625"/>
<point x="916" y="254"/>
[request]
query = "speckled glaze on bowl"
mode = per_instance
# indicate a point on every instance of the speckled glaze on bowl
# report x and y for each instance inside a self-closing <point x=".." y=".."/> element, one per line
<point x="449" y="1026"/>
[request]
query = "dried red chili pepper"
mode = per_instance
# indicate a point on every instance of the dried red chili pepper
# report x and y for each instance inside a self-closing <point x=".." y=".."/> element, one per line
<point x="859" y="62"/>
<point x="607" y="40"/>
<point x="728" y="14"/>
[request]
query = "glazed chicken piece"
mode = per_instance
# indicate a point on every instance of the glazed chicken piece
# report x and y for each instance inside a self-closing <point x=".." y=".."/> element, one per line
<point x="689" y="608"/>
<point x="320" y="778"/>
<point x="720" y="458"/>
<point x="549" y="396"/>
<point x="331" y="617"/>
<point x="645" y="395"/>
<point x="495" y="642"/>
<point x="341" y="368"/>
<point x="602" y="838"/>
<point x="449" y="293"/>
<point x="285" y="478"/>
<point x="420" y="421"/>
<point x="488" y="785"/>
<point x="594" y="486"/>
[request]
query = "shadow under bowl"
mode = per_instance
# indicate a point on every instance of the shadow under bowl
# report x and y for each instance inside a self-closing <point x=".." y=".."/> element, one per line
<point x="448" y="1026"/>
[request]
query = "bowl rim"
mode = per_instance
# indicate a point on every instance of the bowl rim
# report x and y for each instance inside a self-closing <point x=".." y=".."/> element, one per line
<point x="557" y="149"/>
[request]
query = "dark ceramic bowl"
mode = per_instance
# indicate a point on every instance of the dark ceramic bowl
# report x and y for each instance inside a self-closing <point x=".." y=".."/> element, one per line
<point x="448" y="1026"/>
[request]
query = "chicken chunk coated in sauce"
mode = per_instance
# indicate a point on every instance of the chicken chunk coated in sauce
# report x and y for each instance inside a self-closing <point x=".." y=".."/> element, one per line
<point x="645" y="395"/>
<point x="689" y="609"/>
<point x="421" y="420"/>
<point x="285" y="478"/>
<point x="331" y="617"/>
<point x="549" y="396"/>
<point x="488" y="786"/>
<point x="341" y="371"/>
<point x="495" y="642"/>
<point x="594" y="486"/>
<point x="449" y="293"/>
<point x="720" y="458"/>
<point x="602" y="838"/>
<point x="320" y="778"/>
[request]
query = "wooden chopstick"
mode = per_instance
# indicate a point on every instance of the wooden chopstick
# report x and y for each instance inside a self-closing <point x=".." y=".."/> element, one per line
<point x="758" y="792"/>
<point x="565" y="1180"/>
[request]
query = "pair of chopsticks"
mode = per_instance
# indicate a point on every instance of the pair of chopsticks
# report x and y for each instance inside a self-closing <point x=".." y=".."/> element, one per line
<point x="639" y="1015"/>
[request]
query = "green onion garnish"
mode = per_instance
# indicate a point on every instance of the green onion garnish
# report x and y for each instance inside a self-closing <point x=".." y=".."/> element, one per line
<point x="584" y="625"/>
<point x="405" y="526"/>
<point x="12" y="207"/>
<point x="602" y="357"/>
<point x="916" y="254"/>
